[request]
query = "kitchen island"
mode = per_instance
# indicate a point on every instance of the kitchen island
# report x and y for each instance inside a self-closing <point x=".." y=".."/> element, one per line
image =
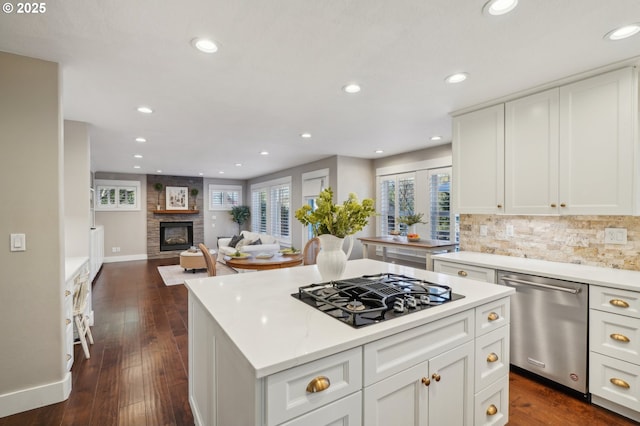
<point x="258" y="356"/>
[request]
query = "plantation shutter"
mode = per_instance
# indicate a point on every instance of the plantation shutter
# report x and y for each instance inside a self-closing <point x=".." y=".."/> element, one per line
<point x="259" y="210"/>
<point x="440" y="203"/>
<point x="387" y="205"/>
<point x="406" y="198"/>
<point x="280" y="211"/>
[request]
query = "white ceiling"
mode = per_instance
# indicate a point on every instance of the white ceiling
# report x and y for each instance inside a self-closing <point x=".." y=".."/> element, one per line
<point x="280" y="68"/>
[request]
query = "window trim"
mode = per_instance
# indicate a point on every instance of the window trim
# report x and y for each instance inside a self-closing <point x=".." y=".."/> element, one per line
<point x="117" y="185"/>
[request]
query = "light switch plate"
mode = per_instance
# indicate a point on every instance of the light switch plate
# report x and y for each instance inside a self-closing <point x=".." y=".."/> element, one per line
<point x="18" y="242"/>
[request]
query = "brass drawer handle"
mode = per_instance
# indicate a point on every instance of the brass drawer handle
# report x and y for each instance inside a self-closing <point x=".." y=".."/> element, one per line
<point x="462" y="273"/>
<point x="492" y="410"/>
<point x="425" y="381"/>
<point x="553" y="205"/>
<point x="67" y="293"/>
<point x="563" y="205"/>
<point x="619" y="303"/>
<point x="620" y="337"/>
<point x="492" y="357"/>
<point x="499" y="206"/>
<point x="318" y="384"/>
<point x="493" y="316"/>
<point x="436" y="377"/>
<point x="620" y="383"/>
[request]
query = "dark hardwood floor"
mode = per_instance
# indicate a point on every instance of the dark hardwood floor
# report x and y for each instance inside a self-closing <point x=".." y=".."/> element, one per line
<point x="138" y="372"/>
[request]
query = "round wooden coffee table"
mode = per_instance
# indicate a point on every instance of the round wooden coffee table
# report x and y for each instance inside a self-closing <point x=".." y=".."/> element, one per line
<point x="276" y="262"/>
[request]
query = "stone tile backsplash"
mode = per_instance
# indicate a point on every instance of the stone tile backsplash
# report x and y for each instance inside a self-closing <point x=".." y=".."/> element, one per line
<point x="570" y="239"/>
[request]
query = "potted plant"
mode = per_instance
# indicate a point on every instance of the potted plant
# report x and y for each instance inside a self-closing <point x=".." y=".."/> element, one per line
<point x="158" y="187"/>
<point x="194" y="195"/>
<point x="240" y="214"/>
<point x="332" y="223"/>
<point x="410" y="220"/>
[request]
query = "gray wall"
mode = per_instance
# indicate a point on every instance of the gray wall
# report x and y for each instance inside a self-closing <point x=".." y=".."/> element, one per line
<point x="77" y="181"/>
<point x="218" y="223"/>
<point x="31" y="167"/>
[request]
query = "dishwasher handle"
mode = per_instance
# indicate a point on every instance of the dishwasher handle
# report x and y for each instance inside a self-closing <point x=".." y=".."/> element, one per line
<point x="547" y="286"/>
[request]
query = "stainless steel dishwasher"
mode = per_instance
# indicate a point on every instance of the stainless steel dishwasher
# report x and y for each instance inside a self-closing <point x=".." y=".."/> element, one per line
<point x="549" y="328"/>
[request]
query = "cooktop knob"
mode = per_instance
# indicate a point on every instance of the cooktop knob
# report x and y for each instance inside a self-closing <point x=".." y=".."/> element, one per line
<point x="398" y="305"/>
<point x="411" y="302"/>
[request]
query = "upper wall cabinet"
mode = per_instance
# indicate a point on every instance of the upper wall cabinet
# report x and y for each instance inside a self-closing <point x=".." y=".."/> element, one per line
<point x="478" y="161"/>
<point x="568" y="150"/>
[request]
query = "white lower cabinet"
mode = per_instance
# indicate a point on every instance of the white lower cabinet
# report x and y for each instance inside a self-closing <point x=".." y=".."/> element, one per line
<point x="345" y="412"/>
<point x="492" y="404"/>
<point x="477" y="273"/>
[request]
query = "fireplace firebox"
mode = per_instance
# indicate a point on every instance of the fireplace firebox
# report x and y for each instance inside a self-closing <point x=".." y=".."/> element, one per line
<point x="176" y="235"/>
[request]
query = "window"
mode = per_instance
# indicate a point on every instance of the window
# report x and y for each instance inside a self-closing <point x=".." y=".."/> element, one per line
<point x="397" y="198"/>
<point x="223" y="197"/>
<point x="271" y="208"/>
<point x="440" y="219"/>
<point x="117" y="195"/>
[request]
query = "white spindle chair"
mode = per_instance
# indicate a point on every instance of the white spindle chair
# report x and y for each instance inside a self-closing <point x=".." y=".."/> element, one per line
<point x="80" y="296"/>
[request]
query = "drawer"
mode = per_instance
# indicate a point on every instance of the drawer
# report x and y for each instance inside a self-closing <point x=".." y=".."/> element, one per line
<point x="287" y="396"/>
<point x="616" y="301"/>
<point x="344" y="412"/>
<point x="465" y="271"/>
<point x="492" y="404"/>
<point x="492" y="316"/>
<point x="492" y="357"/>
<point x="615" y="335"/>
<point x="615" y="380"/>
<point x="386" y="357"/>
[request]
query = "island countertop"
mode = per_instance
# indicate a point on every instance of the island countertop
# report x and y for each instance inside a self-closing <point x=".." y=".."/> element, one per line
<point x="275" y="331"/>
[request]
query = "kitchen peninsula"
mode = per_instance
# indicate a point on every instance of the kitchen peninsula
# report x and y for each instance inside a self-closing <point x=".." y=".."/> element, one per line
<point x="258" y="356"/>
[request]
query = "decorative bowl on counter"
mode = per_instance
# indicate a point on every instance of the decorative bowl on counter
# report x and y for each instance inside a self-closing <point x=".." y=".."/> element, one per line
<point x="414" y="238"/>
<point x="239" y="255"/>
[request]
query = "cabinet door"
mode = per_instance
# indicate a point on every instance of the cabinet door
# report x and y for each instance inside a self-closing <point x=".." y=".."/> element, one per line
<point x="596" y="145"/>
<point x="531" y="154"/>
<point x="451" y="389"/>
<point x="400" y="400"/>
<point x="345" y="412"/>
<point x="478" y="161"/>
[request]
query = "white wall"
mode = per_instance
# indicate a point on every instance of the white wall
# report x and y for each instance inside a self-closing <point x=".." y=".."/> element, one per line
<point x="31" y="168"/>
<point x="77" y="181"/>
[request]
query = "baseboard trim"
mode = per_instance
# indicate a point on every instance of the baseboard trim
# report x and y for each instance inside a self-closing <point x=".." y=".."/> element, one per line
<point x="114" y="259"/>
<point x="35" y="397"/>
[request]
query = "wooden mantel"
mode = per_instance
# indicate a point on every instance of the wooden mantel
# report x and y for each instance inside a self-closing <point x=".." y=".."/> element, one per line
<point x="176" y="211"/>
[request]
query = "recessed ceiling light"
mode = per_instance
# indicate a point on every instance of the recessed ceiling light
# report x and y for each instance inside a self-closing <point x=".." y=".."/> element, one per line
<point x="623" y="32"/>
<point x="264" y="152"/>
<point x="204" y="45"/>
<point x="305" y="135"/>
<point x="456" y="78"/>
<point x="136" y="167"/>
<point x="145" y="109"/>
<point x="238" y="164"/>
<point x="201" y="174"/>
<point x="499" y="7"/>
<point x="158" y="171"/>
<point x="137" y="155"/>
<point x="351" y="88"/>
<point x="221" y="172"/>
<point x="436" y="138"/>
<point x="379" y="151"/>
<point x="141" y="140"/>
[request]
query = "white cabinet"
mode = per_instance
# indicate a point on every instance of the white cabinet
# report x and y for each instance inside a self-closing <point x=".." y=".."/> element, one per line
<point x="570" y="150"/>
<point x="531" y="154"/>
<point x="597" y="144"/>
<point x="477" y="273"/>
<point x="478" y="161"/>
<point x="614" y="344"/>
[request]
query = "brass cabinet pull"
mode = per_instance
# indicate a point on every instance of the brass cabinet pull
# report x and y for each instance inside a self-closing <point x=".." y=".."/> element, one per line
<point x="553" y="205"/>
<point x="563" y="205"/>
<point x="318" y="384"/>
<point x="619" y="303"/>
<point x="492" y="410"/>
<point x="499" y="206"/>
<point x="436" y="377"/>
<point x="620" y="383"/>
<point x="620" y="337"/>
<point x="462" y="273"/>
<point x="492" y="357"/>
<point x="493" y="316"/>
<point x="67" y="293"/>
<point x="425" y="381"/>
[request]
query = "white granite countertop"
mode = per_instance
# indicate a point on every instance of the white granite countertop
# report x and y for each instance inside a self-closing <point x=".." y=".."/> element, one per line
<point x="609" y="277"/>
<point x="72" y="265"/>
<point x="275" y="331"/>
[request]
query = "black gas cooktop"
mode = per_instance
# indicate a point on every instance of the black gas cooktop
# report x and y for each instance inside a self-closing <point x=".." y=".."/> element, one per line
<point x="370" y="299"/>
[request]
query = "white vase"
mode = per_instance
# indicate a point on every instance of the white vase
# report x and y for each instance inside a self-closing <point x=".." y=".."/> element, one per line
<point x="332" y="259"/>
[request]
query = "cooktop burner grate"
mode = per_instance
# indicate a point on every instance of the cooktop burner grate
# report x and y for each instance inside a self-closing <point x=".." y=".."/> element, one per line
<point x="370" y="299"/>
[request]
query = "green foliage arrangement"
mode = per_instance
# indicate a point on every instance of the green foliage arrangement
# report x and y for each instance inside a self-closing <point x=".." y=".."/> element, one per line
<point x="240" y="214"/>
<point x="158" y="187"/>
<point x="337" y="219"/>
<point x="411" y="219"/>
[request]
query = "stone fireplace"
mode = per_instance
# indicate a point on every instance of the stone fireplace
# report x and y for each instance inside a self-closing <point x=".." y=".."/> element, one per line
<point x="176" y="235"/>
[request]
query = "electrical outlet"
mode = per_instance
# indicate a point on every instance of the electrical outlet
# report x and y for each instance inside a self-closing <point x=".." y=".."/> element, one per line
<point x="483" y="230"/>
<point x="509" y="231"/>
<point x="615" y="235"/>
<point x="113" y="249"/>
